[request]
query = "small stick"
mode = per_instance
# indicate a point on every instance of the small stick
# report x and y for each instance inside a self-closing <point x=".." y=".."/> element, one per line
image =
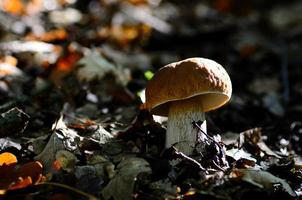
<point x="187" y="158"/>
<point x="75" y="190"/>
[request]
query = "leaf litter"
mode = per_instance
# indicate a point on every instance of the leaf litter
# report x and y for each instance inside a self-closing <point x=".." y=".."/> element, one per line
<point x="72" y="111"/>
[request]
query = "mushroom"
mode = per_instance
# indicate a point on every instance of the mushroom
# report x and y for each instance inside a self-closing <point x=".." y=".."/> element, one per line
<point x="184" y="91"/>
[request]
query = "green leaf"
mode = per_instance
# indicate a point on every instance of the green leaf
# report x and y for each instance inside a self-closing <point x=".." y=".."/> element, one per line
<point x="148" y="74"/>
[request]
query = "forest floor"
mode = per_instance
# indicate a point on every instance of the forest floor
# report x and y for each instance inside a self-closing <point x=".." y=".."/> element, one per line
<point x="72" y="80"/>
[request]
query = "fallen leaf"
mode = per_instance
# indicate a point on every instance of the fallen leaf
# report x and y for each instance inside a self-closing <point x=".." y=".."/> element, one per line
<point x="15" y="7"/>
<point x="10" y="60"/>
<point x="7" y="158"/>
<point x="64" y="66"/>
<point x="123" y="35"/>
<point x="237" y="154"/>
<point x="53" y="35"/>
<point x="96" y="67"/>
<point x="122" y="185"/>
<point x="32" y="169"/>
<point x="66" y="16"/>
<point x="27" y="46"/>
<point x="261" y="179"/>
<point x="21" y="183"/>
<point x="9" y="70"/>
<point x="66" y="138"/>
<point x="66" y="160"/>
<point x="13" y="121"/>
<point x="14" y="177"/>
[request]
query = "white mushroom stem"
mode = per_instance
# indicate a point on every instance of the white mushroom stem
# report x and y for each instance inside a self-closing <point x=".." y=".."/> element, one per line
<point x="180" y="130"/>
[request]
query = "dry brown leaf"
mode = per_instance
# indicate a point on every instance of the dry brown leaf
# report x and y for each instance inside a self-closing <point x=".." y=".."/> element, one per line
<point x="10" y="60"/>
<point x="53" y="35"/>
<point x="20" y="183"/>
<point x="64" y="66"/>
<point x="138" y="2"/>
<point x="33" y="169"/>
<point x="13" y="177"/>
<point x="123" y="35"/>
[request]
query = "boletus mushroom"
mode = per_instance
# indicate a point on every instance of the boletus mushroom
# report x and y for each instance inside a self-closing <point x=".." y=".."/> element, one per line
<point x="184" y="91"/>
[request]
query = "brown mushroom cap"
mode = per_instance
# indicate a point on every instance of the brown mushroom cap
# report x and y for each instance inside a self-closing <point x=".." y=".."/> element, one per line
<point x="198" y="79"/>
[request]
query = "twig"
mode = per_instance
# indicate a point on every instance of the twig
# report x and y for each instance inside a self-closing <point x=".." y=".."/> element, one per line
<point x="187" y="158"/>
<point x="221" y="152"/>
<point x="218" y="167"/>
<point x="208" y="136"/>
<point x="89" y="196"/>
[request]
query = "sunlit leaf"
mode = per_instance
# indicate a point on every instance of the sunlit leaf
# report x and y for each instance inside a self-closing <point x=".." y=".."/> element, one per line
<point x="7" y="158"/>
<point x="10" y="60"/>
<point x="138" y="2"/>
<point x="66" y="160"/>
<point x="13" y="6"/>
<point x="64" y="66"/>
<point x="148" y="74"/>
<point x="95" y="66"/>
<point x="8" y="66"/>
<point x="123" y="35"/>
<point x="32" y="169"/>
<point x="14" y="177"/>
<point x="56" y="165"/>
<point x="53" y="35"/>
<point x="21" y="183"/>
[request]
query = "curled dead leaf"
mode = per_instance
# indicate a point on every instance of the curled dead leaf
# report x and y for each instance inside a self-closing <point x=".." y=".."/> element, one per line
<point x="20" y="183"/>
<point x="33" y="169"/>
<point x="13" y="177"/>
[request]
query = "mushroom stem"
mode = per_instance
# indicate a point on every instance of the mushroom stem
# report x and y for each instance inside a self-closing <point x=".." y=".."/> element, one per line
<point x="180" y="130"/>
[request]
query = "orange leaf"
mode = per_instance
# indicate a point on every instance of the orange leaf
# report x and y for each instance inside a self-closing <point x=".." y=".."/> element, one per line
<point x="13" y="6"/>
<point x="33" y="170"/>
<point x="66" y="63"/>
<point x="7" y="158"/>
<point x="53" y="35"/>
<point x="56" y="165"/>
<point x="2" y="192"/>
<point x="123" y="35"/>
<point x="14" y="178"/>
<point x="20" y="183"/>
<point x="64" y="66"/>
<point x="138" y="2"/>
<point x="10" y="60"/>
<point x="82" y="125"/>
